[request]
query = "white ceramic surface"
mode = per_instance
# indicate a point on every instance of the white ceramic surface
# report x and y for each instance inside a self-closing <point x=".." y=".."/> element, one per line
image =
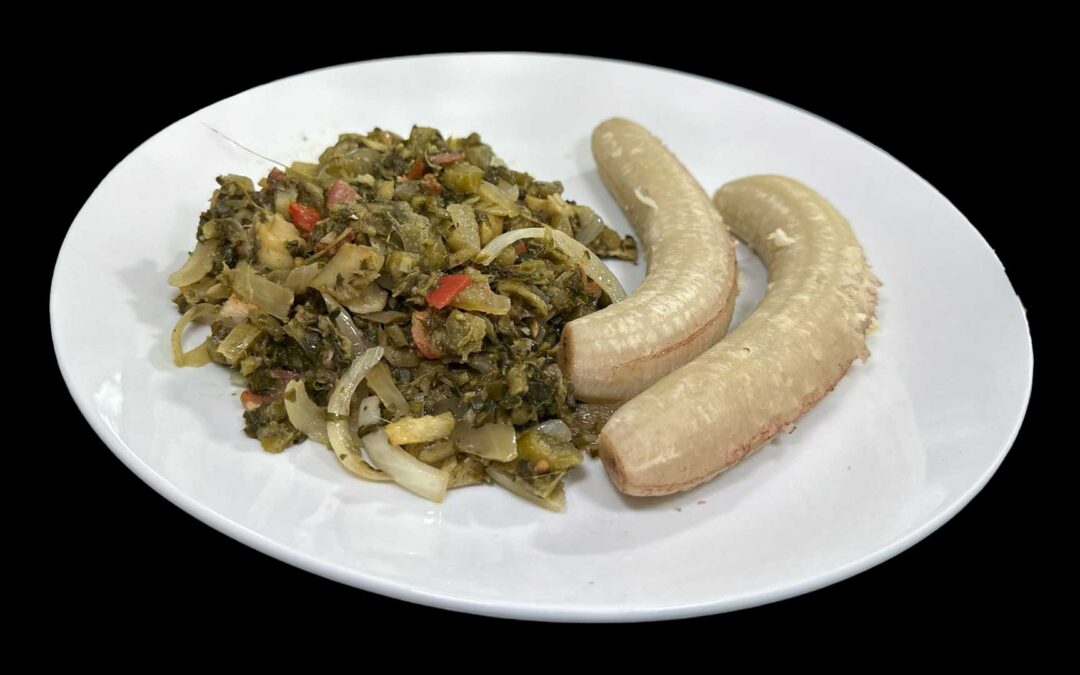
<point x="900" y="446"/>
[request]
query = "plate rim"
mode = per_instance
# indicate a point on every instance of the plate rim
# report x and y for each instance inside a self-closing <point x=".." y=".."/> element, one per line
<point x="526" y="610"/>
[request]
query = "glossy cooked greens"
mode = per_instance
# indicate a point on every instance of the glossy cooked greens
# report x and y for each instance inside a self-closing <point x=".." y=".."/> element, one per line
<point x="376" y="253"/>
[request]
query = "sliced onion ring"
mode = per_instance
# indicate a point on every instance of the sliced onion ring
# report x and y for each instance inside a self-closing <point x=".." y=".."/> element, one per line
<point x="199" y="356"/>
<point x="592" y="265"/>
<point x="338" y="431"/>
<point x="304" y="414"/>
<point x="348" y="452"/>
<point x="406" y="470"/>
<point x="346" y="386"/>
<point x="197" y="266"/>
<point x="345" y="325"/>
<point x="381" y="382"/>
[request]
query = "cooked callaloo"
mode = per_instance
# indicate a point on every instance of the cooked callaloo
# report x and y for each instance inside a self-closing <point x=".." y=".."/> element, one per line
<point x="401" y="300"/>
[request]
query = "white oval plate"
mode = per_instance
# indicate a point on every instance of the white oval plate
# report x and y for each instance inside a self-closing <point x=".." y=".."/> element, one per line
<point x="899" y="447"/>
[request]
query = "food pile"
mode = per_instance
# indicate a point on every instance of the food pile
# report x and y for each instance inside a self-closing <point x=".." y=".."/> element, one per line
<point x="409" y="292"/>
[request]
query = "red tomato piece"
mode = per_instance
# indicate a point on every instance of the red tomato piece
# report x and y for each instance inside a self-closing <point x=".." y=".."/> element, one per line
<point x="447" y="289"/>
<point x="304" y="217"/>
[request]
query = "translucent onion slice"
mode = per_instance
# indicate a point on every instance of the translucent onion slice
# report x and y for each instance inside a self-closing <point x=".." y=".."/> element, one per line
<point x="491" y="441"/>
<point x="199" y="356"/>
<point x="238" y="341"/>
<point x="591" y="226"/>
<point x="555" y="501"/>
<point x="367" y="414"/>
<point x="348" y="452"/>
<point x="592" y="265"/>
<point x="338" y="430"/>
<point x="382" y="383"/>
<point x="304" y="414"/>
<point x="342" y="395"/>
<point x="345" y="325"/>
<point x="557" y="428"/>
<point x="274" y="299"/>
<point x="197" y="266"/>
<point x="299" y="278"/>
<point x="406" y="470"/>
<point x="388" y="316"/>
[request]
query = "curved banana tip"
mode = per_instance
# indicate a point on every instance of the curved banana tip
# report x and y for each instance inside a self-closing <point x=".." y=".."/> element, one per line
<point x="605" y="131"/>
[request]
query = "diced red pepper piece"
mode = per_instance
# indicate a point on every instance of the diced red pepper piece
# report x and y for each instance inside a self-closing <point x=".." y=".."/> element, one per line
<point x="416" y="170"/>
<point x="520" y="248"/>
<point x="448" y="288"/>
<point x="341" y="193"/>
<point x="447" y="157"/>
<point x="424" y="343"/>
<point x="304" y="217"/>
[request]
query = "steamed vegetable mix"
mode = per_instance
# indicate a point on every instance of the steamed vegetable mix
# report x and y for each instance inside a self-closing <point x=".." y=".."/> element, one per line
<point x="401" y="301"/>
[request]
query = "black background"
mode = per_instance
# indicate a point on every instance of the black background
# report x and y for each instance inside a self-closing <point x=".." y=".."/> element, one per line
<point x="945" y="109"/>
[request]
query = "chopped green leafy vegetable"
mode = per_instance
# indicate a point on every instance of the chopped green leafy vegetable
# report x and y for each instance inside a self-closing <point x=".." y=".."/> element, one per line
<point x="404" y="298"/>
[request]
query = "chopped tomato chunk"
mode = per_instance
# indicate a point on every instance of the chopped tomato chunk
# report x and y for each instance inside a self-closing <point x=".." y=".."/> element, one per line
<point x="304" y="217"/>
<point x="448" y="288"/>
